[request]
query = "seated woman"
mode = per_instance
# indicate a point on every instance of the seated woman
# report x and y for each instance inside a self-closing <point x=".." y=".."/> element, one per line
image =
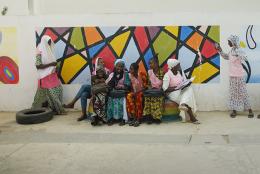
<point x="84" y="92"/>
<point x="49" y="86"/>
<point x="153" y="104"/>
<point x="179" y="89"/>
<point x="119" y="83"/>
<point x="134" y="99"/>
<point x="99" y="94"/>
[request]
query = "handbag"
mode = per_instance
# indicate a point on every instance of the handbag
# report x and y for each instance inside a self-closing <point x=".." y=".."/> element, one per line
<point x="153" y="93"/>
<point x="117" y="93"/>
<point x="98" y="88"/>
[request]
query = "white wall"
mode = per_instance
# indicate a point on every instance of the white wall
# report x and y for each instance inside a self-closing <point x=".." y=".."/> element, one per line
<point x="143" y="6"/>
<point x="209" y="96"/>
<point x="15" y="7"/>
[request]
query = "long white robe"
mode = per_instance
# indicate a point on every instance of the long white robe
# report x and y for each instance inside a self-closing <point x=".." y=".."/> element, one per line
<point x="185" y="96"/>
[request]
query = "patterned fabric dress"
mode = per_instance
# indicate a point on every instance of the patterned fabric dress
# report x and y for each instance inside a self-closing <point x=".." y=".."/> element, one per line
<point x="52" y="95"/>
<point x="238" y="96"/>
<point x="99" y="103"/>
<point x="116" y="106"/>
<point x="134" y="101"/>
<point x="154" y="105"/>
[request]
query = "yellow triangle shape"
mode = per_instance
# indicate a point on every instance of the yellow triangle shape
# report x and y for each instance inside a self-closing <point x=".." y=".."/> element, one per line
<point x="173" y="29"/>
<point x="118" y="43"/>
<point x="71" y="66"/>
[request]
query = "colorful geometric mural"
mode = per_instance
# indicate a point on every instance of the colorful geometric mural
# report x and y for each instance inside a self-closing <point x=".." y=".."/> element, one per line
<point x="76" y="48"/>
<point x="250" y="41"/>
<point x="9" y="72"/>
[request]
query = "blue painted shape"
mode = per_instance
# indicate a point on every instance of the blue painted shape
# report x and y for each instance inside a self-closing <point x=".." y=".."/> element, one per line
<point x="59" y="49"/>
<point x="83" y="78"/>
<point x="131" y="54"/>
<point x="93" y="50"/>
<point x="148" y="55"/>
<point x="186" y="57"/>
<point x="109" y="31"/>
<point x="185" y="32"/>
<point x="216" y="60"/>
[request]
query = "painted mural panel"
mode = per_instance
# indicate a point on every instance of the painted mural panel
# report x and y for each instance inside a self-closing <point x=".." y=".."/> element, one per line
<point x="9" y="72"/>
<point x="77" y="47"/>
<point x="250" y="41"/>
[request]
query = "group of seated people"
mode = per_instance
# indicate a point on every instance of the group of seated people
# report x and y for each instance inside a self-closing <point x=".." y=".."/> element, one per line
<point x="134" y="97"/>
<point x="120" y="96"/>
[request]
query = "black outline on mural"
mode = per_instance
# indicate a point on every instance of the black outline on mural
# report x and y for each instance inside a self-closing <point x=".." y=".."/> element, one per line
<point x="123" y="29"/>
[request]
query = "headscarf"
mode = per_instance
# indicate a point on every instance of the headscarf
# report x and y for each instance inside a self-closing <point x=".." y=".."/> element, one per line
<point x="97" y="66"/>
<point x="119" y="61"/>
<point x="236" y="50"/>
<point x="47" y="56"/>
<point x="172" y="63"/>
<point x="234" y="40"/>
<point x="115" y="77"/>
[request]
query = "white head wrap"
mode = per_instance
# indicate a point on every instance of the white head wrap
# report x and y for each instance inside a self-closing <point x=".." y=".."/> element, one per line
<point x="47" y="56"/>
<point x="97" y="66"/>
<point x="234" y="40"/>
<point x="172" y="63"/>
<point x="236" y="49"/>
<point x="119" y="61"/>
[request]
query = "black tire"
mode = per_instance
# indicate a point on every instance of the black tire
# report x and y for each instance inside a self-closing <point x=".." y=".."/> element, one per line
<point x="34" y="116"/>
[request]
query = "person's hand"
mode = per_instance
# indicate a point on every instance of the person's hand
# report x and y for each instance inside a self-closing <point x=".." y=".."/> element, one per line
<point x="217" y="46"/>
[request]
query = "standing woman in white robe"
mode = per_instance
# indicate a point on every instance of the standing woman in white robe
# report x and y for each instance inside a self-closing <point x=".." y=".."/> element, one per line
<point x="49" y="86"/>
<point x="184" y="95"/>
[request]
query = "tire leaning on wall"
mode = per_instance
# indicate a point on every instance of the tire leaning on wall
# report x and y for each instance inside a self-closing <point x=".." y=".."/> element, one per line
<point x="34" y="116"/>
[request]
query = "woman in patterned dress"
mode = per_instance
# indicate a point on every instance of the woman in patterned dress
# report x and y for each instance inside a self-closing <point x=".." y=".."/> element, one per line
<point x="153" y="105"/>
<point x="118" y="80"/>
<point x="134" y="99"/>
<point x="99" y="97"/>
<point x="49" y="86"/>
<point x="239" y="98"/>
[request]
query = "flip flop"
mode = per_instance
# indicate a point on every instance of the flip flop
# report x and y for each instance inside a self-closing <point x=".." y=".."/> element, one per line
<point x="233" y="115"/>
<point x="196" y="122"/>
<point x="251" y="115"/>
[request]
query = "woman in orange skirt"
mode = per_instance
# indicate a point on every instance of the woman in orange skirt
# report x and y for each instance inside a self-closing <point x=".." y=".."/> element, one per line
<point x="134" y="99"/>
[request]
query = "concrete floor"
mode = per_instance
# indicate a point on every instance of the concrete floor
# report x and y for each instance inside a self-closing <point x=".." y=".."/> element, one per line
<point x="64" y="146"/>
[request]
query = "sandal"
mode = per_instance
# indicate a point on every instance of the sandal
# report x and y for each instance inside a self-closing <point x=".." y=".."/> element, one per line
<point x="233" y="115"/>
<point x="122" y="123"/>
<point x="196" y="122"/>
<point x="110" y="122"/>
<point x="251" y="115"/>
<point x="131" y="123"/>
<point x="136" y="123"/>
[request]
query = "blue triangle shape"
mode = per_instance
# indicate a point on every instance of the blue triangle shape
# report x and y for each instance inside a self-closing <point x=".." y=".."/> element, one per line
<point x="185" y="32"/>
<point x="216" y="60"/>
<point x="148" y="55"/>
<point x="93" y="50"/>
